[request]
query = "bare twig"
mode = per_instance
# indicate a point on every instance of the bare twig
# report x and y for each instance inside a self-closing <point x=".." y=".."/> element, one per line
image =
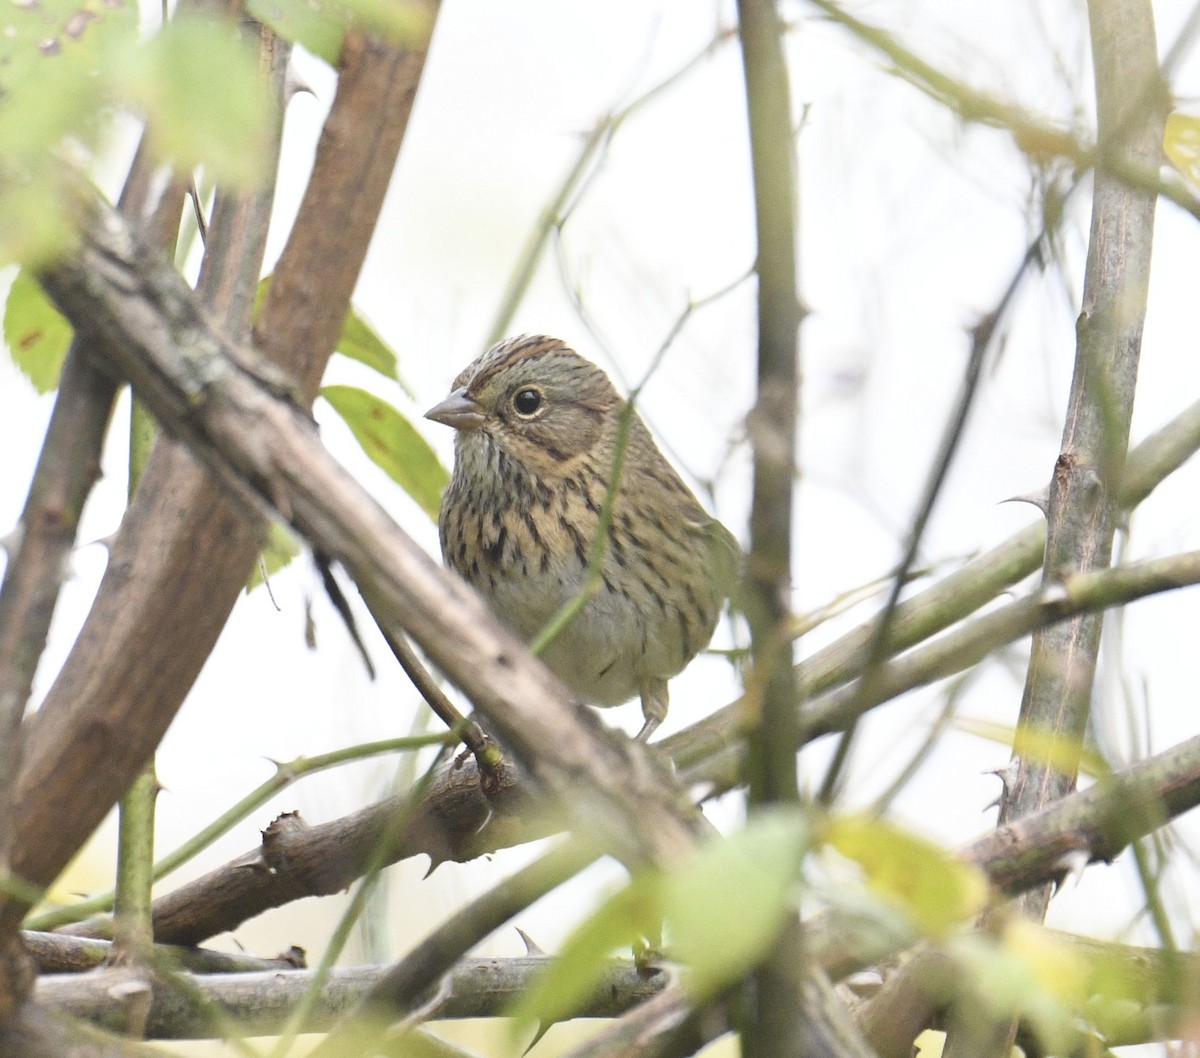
<point x="949" y="600"/>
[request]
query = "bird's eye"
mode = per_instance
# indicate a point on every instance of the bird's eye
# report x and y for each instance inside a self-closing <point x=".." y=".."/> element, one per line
<point x="527" y="401"/>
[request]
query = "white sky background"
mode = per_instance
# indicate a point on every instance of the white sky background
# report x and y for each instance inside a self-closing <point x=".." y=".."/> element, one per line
<point x="911" y="225"/>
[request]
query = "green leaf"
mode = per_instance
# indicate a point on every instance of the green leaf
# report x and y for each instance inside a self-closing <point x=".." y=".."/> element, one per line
<point x="723" y="909"/>
<point x="57" y="52"/>
<point x="57" y="59"/>
<point x="360" y="342"/>
<point x="198" y="83"/>
<point x="1022" y="975"/>
<point x="279" y="551"/>
<point x="753" y="871"/>
<point x="1040" y="744"/>
<point x="37" y="334"/>
<point x="936" y="890"/>
<point x="320" y="26"/>
<point x="399" y="21"/>
<point x="630" y="914"/>
<point x="393" y="443"/>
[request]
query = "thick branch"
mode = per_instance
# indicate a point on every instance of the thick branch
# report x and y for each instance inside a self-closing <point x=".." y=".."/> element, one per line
<point x="185" y="550"/>
<point x="1083" y="507"/>
<point x="259" y="1003"/>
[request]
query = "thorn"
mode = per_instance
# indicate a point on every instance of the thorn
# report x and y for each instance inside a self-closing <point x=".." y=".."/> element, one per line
<point x="1007" y="776"/>
<point x="486" y="820"/>
<point x="1073" y="864"/>
<point x="433" y="866"/>
<point x="105" y="542"/>
<point x="531" y="946"/>
<point x="1039" y="499"/>
<point x="1054" y="595"/>
<point x="11" y="541"/>
<point x="539" y="1031"/>
<point x="294" y="85"/>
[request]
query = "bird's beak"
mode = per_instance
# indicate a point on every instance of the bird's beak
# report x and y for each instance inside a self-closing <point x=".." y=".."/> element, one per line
<point x="457" y="410"/>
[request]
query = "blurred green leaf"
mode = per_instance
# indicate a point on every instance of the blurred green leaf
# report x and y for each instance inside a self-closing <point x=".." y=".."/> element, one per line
<point x="630" y="914"/>
<point x="320" y="26"/>
<point x="1181" y="144"/>
<point x="1009" y="977"/>
<point x="64" y="67"/>
<point x="399" y="21"/>
<point x="754" y="871"/>
<point x="1046" y="747"/>
<point x="198" y="83"/>
<point x="56" y="58"/>
<point x="723" y="909"/>
<point x="393" y="443"/>
<point x="49" y="50"/>
<point x="936" y="890"/>
<point x="36" y="225"/>
<point x="282" y="546"/>
<point x="36" y="333"/>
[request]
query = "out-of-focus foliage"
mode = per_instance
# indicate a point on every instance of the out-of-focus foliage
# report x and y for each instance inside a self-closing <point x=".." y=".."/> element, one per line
<point x="1181" y="144"/>
<point x="67" y="66"/>
<point x="937" y="891"/>
<point x="321" y="26"/>
<point x="722" y="910"/>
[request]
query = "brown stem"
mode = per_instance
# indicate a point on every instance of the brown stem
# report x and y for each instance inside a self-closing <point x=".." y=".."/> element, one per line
<point x="185" y="549"/>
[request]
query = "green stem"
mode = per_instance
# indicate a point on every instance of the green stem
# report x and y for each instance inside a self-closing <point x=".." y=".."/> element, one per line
<point x="133" y="927"/>
<point x="285" y="774"/>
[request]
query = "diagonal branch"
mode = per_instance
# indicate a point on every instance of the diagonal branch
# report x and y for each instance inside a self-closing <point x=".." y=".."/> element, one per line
<point x="185" y="549"/>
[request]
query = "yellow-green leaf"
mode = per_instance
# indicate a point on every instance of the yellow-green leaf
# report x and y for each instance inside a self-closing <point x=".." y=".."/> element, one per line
<point x="1046" y="747"/>
<point x="399" y="21"/>
<point x="318" y="27"/>
<point x="1058" y="968"/>
<point x="936" y="890"/>
<point x="359" y="341"/>
<point x="50" y="51"/>
<point x="37" y="334"/>
<point x="393" y="443"/>
<point x="1181" y="144"/>
<point x="1004" y="980"/>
